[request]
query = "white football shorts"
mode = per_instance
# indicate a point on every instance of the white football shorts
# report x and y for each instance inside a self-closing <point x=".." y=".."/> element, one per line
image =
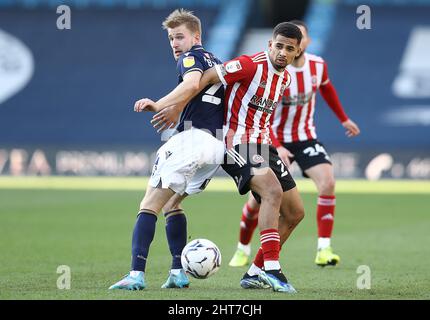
<point x="187" y="162"/>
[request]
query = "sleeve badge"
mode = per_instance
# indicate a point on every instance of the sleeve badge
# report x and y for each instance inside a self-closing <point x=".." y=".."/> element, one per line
<point x="188" y="62"/>
<point x="233" y="66"/>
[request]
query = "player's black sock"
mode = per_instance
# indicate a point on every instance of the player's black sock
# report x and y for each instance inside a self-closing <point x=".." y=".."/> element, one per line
<point x="278" y="274"/>
<point x="143" y="234"/>
<point x="176" y="232"/>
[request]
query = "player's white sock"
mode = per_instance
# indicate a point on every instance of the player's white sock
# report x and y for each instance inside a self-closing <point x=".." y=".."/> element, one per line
<point x="134" y="274"/>
<point x="271" y="265"/>
<point x="254" y="270"/>
<point x="175" y="272"/>
<point x="245" y="248"/>
<point x="323" y="243"/>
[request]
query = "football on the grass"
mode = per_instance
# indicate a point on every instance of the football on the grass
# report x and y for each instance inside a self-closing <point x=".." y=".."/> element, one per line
<point x="201" y="258"/>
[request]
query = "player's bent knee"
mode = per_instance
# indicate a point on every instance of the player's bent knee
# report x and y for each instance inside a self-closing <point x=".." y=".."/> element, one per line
<point x="293" y="214"/>
<point x="328" y="186"/>
<point x="170" y="208"/>
<point x="300" y="214"/>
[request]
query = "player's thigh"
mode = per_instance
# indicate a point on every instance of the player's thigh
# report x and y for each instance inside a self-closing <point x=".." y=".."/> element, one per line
<point x="323" y="177"/>
<point x="265" y="183"/>
<point x="247" y="163"/>
<point x="281" y="172"/>
<point x="155" y="199"/>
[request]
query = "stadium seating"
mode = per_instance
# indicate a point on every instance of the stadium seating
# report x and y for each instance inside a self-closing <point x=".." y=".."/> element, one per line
<point x="75" y="89"/>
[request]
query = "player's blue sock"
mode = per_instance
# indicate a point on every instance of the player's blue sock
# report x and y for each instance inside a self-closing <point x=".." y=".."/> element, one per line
<point x="143" y="234"/>
<point x="176" y="231"/>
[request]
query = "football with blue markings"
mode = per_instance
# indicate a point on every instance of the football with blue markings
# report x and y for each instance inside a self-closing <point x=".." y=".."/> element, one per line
<point x="201" y="258"/>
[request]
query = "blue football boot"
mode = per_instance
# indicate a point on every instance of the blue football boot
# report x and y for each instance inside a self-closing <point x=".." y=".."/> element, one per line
<point x="130" y="283"/>
<point x="277" y="280"/>
<point x="252" y="282"/>
<point x="176" y="281"/>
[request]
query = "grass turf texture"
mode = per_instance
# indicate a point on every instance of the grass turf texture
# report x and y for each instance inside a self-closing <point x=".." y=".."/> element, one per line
<point x="45" y="223"/>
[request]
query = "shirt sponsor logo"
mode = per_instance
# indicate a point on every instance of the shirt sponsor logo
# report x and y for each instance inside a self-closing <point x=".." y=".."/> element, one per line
<point x="300" y="99"/>
<point x="233" y="66"/>
<point x="264" y="105"/>
<point x="188" y="62"/>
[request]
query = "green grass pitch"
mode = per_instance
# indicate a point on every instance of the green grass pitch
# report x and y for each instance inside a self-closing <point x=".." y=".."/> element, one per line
<point x="86" y="224"/>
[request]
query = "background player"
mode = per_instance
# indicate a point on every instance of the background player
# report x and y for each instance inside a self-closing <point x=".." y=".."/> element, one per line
<point x="187" y="161"/>
<point x="254" y="87"/>
<point x="294" y="136"/>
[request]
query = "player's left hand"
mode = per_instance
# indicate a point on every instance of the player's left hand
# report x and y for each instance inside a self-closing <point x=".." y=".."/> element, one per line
<point x="166" y="118"/>
<point x="285" y="155"/>
<point x="352" y="129"/>
<point x="145" y="105"/>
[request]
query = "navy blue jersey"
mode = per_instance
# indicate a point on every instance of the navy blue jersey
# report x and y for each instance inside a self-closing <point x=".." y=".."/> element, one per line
<point x="206" y="110"/>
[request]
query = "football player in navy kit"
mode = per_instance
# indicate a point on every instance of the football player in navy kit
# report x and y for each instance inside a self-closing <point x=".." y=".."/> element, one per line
<point x="188" y="160"/>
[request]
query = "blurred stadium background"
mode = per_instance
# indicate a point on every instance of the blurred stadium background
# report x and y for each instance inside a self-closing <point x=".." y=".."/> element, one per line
<point x="66" y="109"/>
<point x="66" y="96"/>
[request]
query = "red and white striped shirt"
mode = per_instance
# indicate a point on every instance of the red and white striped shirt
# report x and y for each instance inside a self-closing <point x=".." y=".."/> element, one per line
<point x="253" y="90"/>
<point x="294" y="119"/>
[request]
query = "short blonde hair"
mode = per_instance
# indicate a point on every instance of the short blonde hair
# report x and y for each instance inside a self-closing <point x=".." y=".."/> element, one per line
<point x="180" y="17"/>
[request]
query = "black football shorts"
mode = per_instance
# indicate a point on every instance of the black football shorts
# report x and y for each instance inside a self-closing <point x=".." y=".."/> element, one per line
<point x="240" y="161"/>
<point x="308" y="154"/>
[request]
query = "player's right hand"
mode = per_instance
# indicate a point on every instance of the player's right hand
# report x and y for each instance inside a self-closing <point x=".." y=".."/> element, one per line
<point x="351" y="127"/>
<point x="166" y="118"/>
<point x="144" y="105"/>
<point x="285" y="155"/>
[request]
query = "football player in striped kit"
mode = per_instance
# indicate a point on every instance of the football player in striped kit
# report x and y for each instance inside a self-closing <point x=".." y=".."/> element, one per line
<point x="294" y="136"/>
<point x="254" y="85"/>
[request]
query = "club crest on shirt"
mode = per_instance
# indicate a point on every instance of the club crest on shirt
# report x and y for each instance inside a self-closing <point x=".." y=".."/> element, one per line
<point x="314" y="80"/>
<point x="188" y="62"/>
<point x="233" y="66"/>
<point x="281" y="91"/>
<point x="256" y="158"/>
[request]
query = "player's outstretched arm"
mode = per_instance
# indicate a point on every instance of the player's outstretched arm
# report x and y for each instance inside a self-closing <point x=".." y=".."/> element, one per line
<point x="328" y="92"/>
<point x="179" y="96"/>
<point x="210" y="76"/>
<point x="168" y="117"/>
